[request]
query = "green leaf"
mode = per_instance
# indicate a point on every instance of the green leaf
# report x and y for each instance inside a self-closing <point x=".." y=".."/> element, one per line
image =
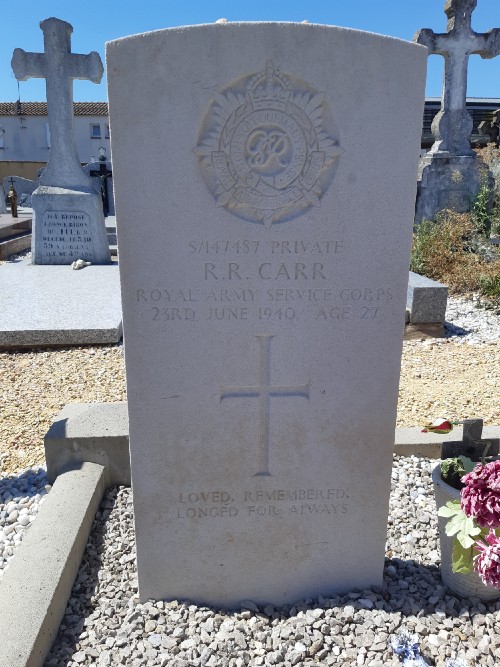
<point x="468" y="465"/>
<point x="450" y="509"/>
<point x="459" y="524"/>
<point x="462" y="558"/>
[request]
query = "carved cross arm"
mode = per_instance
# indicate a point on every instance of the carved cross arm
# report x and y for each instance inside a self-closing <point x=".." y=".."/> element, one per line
<point x="27" y="65"/>
<point x="433" y="41"/>
<point x="492" y="44"/>
<point x="86" y="67"/>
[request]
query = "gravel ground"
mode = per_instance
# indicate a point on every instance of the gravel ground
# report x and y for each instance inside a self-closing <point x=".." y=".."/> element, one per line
<point x="456" y="377"/>
<point x="105" y="625"/>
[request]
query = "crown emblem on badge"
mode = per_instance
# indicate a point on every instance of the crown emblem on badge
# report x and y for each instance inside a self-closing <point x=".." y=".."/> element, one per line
<point x="264" y="150"/>
<point x="269" y="90"/>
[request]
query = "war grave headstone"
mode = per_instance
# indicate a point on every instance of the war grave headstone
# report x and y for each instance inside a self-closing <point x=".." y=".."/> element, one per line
<point x="264" y="306"/>
<point x="68" y="219"/>
<point x="448" y="173"/>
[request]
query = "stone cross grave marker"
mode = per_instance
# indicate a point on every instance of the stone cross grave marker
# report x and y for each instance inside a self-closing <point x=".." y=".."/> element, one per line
<point x="472" y="444"/>
<point x="452" y="125"/>
<point x="264" y="307"/>
<point x="68" y="220"/>
<point x="452" y="183"/>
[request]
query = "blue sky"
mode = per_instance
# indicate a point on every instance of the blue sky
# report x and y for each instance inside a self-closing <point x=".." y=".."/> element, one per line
<point x="95" y="23"/>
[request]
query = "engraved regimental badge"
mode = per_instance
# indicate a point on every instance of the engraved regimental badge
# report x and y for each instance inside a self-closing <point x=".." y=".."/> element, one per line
<point x="267" y="147"/>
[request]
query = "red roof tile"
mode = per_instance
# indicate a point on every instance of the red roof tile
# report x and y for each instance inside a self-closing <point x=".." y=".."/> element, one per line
<point x="40" y="108"/>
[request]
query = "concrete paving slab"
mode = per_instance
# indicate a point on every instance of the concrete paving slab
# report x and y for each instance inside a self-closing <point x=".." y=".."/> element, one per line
<point x="49" y="306"/>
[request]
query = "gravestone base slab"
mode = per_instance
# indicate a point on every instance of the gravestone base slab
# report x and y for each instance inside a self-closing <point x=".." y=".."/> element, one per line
<point x="10" y="226"/>
<point x="89" y="432"/>
<point x="68" y="225"/>
<point x="99" y="433"/>
<point x="52" y="306"/>
<point x="446" y="182"/>
<point x="14" y="245"/>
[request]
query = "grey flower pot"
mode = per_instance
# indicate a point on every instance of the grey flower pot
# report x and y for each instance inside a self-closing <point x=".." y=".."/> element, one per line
<point x="465" y="585"/>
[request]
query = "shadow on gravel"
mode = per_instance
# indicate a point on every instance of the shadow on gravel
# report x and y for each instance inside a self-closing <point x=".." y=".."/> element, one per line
<point x="416" y="589"/>
<point x="454" y="330"/>
<point x="28" y="484"/>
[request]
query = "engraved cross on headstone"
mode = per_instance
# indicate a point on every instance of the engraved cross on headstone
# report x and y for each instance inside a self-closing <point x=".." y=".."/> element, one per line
<point x="452" y="126"/>
<point x="264" y="390"/>
<point x="58" y="66"/>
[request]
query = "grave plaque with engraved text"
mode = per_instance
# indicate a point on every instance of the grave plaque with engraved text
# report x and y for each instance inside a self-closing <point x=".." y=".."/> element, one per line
<point x="264" y="305"/>
<point x="66" y="235"/>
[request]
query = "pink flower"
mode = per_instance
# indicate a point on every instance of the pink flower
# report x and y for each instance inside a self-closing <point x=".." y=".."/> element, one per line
<point x="480" y="497"/>
<point x="487" y="562"/>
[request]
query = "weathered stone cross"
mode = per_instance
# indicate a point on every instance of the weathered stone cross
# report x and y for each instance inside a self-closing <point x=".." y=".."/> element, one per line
<point x="58" y="66"/>
<point x="453" y="124"/>
<point x="264" y="390"/>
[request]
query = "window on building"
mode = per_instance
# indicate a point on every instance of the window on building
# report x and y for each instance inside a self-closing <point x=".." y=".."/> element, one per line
<point x="95" y="131"/>
<point x="47" y="134"/>
<point x="106" y="132"/>
<point x="2" y="134"/>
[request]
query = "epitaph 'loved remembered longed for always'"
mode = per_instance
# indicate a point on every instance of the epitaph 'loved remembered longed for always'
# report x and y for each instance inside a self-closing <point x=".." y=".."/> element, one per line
<point x="264" y="306"/>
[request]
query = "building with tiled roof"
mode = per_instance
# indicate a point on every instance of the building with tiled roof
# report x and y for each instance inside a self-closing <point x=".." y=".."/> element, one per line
<point x="25" y="136"/>
<point x="40" y="108"/>
<point x="25" y="140"/>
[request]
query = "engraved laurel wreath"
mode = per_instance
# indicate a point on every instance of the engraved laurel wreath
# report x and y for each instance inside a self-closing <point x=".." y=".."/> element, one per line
<point x="263" y="148"/>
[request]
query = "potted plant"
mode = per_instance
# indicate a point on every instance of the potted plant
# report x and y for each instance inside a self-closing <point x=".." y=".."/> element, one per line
<point x="467" y="494"/>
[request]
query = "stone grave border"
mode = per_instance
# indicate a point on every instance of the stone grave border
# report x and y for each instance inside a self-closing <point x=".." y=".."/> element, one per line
<point x="86" y="452"/>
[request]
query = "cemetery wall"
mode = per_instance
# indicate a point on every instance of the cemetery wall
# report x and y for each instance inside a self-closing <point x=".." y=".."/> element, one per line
<point x="27" y="169"/>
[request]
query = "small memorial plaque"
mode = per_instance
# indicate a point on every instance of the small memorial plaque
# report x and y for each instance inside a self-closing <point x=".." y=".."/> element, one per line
<point x="66" y="234"/>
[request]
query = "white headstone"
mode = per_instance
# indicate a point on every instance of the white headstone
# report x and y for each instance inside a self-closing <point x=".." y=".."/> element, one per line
<point x="264" y="305"/>
<point x="68" y="221"/>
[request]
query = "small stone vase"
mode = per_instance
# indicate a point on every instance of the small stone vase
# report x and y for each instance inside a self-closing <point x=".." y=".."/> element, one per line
<point x="466" y="585"/>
